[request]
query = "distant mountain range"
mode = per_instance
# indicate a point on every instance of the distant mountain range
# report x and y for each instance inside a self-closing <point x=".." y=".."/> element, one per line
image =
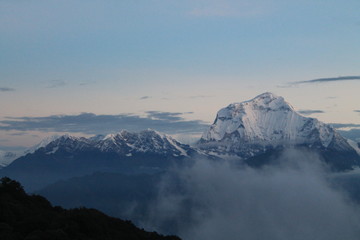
<point x="121" y="174"/>
<point x="253" y="132"/>
<point x="67" y="156"/>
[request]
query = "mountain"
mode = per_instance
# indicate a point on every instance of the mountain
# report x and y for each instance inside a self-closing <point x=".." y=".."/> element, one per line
<point x="33" y="217"/>
<point x="262" y="127"/>
<point x="125" y="144"/>
<point x="116" y="194"/>
<point x="67" y="156"/>
<point x="42" y="143"/>
<point x="6" y="157"/>
<point x="256" y="131"/>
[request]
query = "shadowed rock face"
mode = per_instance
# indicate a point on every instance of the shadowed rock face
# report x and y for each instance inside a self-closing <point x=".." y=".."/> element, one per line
<point x="266" y="124"/>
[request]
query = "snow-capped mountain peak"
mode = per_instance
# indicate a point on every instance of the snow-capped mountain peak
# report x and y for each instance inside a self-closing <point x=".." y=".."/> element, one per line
<point x="267" y="121"/>
<point x="267" y="100"/>
<point x="144" y="141"/>
<point x="123" y="143"/>
<point x="43" y="143"/>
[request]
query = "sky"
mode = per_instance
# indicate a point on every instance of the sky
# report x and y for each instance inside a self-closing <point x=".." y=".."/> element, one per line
<point x="95" y="67"/>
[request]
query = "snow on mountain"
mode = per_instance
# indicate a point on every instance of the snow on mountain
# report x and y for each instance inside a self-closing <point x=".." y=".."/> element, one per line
<point x="266" y="122"/>
<point x="41" y="144"/>
<point x="125" y="152"/>
<point x="67" y="143"/>
<point x="123" y="143"/>
<point x="355" y="145"/>
<point x="245" y="130"/>
<point x="6" y="158"/>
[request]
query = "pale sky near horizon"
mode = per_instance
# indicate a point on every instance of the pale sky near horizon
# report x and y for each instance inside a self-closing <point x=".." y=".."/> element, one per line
<point x="173" y="63"/>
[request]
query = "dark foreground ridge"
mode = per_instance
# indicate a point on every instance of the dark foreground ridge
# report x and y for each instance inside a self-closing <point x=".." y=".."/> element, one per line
<point x="32" y="217"/>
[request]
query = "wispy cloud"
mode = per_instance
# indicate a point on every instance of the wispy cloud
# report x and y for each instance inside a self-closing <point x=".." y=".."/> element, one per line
<point x="56" y="84"/>
<point x="89" y="123"/>
<point x="6" y="89"/>
<point x="145" y="97"/>
<point x="331" y="79"/>
<point x="86" y="83"/>
<point x="170" y="116"/>
<point x="18" y="134"/>
<point x="309" y="112"/>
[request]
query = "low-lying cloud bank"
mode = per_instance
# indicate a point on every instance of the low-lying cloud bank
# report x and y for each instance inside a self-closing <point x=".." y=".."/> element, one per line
<point x="290" y="201"/>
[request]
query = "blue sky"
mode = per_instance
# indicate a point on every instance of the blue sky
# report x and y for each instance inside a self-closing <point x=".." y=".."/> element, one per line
<point x="66" y="58"/>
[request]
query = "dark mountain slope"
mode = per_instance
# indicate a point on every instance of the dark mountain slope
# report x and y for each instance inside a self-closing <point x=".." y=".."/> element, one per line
<point x="119" y="195"/>
<point x="32" y="217"/>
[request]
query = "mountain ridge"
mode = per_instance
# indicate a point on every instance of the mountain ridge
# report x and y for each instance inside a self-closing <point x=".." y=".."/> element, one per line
<point x="33" y="217"/>
<point x="67" y="156"/>
<point x="252" y="131"/>
<point x="267" y="123"/>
